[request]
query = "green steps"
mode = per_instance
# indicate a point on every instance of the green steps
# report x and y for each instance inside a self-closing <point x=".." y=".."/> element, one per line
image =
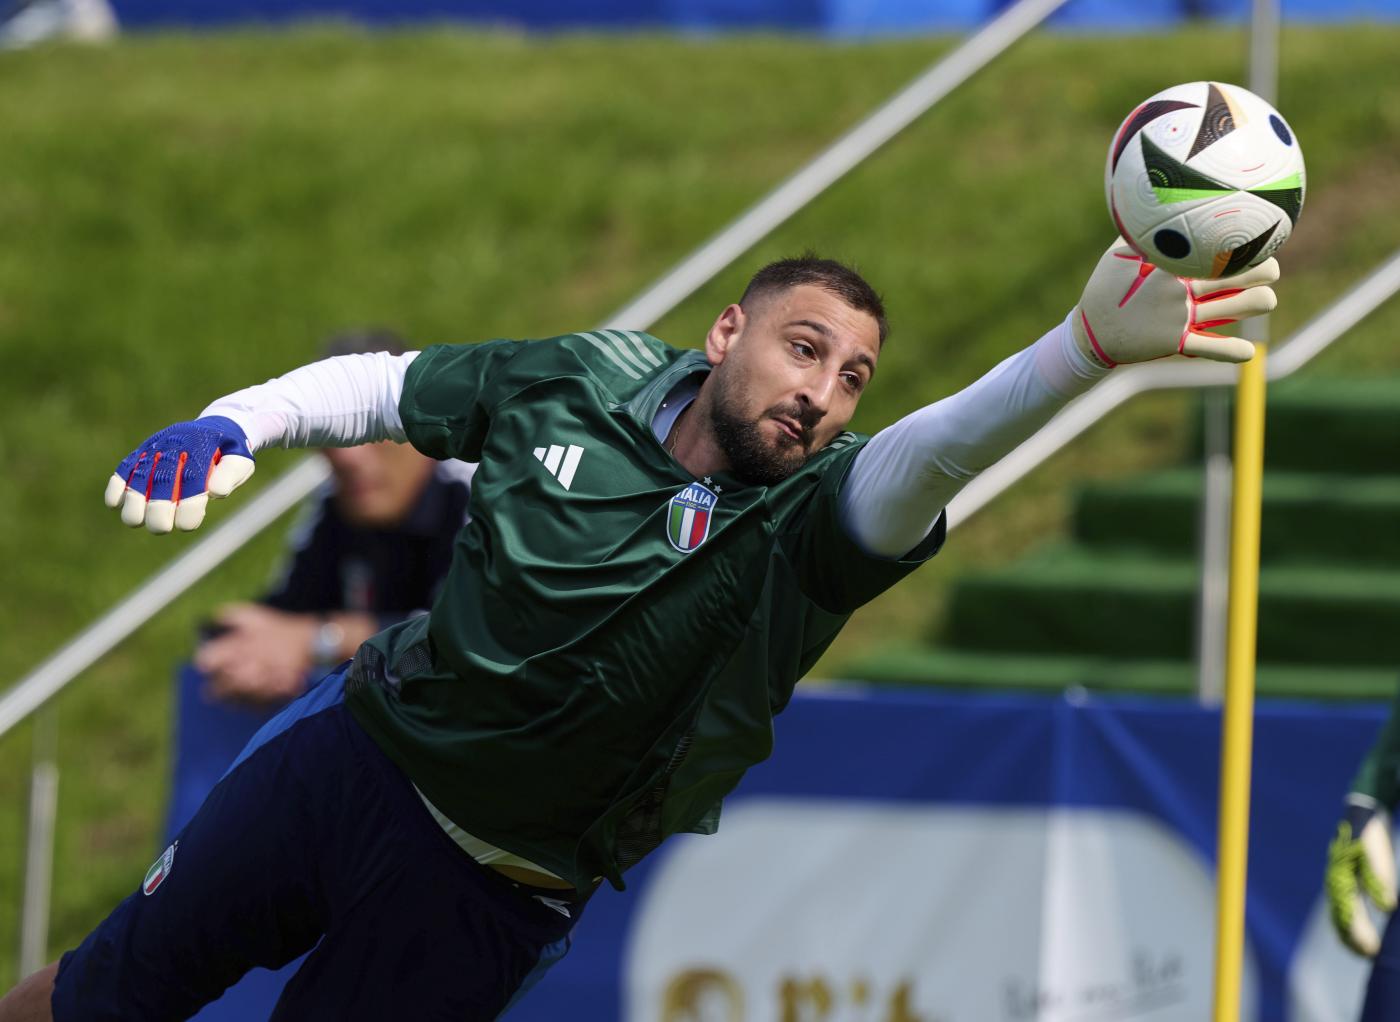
<point x="1334" y="426"/>
<point x="1115" y="608"/>
<point x="1085" y="602"/>
<point x="1306" y="517"/>
<point x="921" y="665"/>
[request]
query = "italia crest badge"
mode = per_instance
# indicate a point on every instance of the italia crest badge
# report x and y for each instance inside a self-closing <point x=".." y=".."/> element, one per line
<point x="160" y="869"/>
<point x="688" y="519"/>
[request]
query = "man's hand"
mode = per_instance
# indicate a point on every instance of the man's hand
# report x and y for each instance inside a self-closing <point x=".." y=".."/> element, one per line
<point x="1360" y="861"/>
<point x="261" y="657"/>
<point x="167" y="481"/>
<point x="1132" y="311"/>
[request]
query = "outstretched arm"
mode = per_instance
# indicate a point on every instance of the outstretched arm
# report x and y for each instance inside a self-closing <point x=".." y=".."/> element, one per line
<point x="339" y="402"/>
<point x="1130" y="312"/>
<point x="901" y="481"/>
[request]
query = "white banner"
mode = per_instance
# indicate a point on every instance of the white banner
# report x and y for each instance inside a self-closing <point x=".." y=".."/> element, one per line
<point x="811" y="911"/>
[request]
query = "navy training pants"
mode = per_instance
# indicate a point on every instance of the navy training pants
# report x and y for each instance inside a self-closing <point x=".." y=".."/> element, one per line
<point x="315" y="839"/>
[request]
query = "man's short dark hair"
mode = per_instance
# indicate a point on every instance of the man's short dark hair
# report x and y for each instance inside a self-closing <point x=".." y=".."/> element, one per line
<point x="809" y="268"/>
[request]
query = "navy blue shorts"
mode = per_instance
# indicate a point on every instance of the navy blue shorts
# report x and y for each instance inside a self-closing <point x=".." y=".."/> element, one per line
<point x="315" y="839"/>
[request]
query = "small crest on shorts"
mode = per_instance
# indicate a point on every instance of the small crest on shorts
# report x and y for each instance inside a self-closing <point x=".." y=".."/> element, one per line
<point x="160" y="869"/>
<point x="688" y="520"/>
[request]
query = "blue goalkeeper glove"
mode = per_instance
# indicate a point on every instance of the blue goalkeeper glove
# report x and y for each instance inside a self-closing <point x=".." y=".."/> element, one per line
<point x="167" y="482"/>
<point x="1360" y="865"/>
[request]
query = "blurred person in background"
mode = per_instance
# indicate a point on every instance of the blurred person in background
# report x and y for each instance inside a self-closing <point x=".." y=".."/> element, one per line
<point x="1361" y="867"/>
<point x="370" y="550"/>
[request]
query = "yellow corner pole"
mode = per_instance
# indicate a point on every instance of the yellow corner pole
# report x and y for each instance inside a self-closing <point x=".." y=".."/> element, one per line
<point x="1237" y="734"/>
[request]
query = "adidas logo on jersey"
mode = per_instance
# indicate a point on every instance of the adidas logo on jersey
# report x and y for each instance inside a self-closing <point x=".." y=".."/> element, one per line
<point x="559" y="462"/>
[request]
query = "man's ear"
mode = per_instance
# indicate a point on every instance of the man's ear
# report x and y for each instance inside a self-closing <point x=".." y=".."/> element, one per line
<point x="724" y="332"/>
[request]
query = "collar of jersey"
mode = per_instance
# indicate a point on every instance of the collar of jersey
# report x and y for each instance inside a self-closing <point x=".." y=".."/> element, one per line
<point x="647" y="401"/>
<point x="644" y="406"/>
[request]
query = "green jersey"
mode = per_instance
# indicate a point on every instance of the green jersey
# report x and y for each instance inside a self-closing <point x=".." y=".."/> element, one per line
<point x="614" y="636"/>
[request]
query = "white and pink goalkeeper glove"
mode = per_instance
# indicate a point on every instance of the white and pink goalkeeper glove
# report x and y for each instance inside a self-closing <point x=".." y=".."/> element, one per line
<point x="1131" y="311"/>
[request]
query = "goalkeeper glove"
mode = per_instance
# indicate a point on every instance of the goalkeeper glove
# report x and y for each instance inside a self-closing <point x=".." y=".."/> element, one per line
<point x="1360" y="861"/>
<point x="167" y="481"/>
<point x="1132" y="311"/>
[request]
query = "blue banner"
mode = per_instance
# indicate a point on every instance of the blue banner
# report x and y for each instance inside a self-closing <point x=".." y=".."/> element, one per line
<point x="833" y="17"/>
<point x="931" y="856"/>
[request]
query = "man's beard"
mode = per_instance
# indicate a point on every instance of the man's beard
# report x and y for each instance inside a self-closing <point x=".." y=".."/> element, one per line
<point x="753" y="458"/>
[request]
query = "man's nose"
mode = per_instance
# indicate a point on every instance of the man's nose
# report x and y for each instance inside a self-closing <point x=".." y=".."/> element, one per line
<point x="816" y="395"/>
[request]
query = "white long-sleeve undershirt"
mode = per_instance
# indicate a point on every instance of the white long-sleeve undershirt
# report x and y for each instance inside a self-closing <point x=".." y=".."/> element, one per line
<point x="898" y="485"/>
<point x="337" y="402"/>
<point x="905" y="476"/>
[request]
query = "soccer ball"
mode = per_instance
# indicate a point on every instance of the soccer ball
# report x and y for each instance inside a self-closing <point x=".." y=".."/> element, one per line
<point x="1205" y="179"/>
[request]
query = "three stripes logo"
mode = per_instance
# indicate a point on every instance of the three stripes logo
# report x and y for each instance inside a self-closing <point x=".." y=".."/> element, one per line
<point x="560" y="462"/>
<point x="626" y="350"/>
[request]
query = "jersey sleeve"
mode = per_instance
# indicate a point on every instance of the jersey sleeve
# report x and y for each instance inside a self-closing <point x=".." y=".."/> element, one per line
<point x="449" y="394"/>
<point x="833" y="570"/>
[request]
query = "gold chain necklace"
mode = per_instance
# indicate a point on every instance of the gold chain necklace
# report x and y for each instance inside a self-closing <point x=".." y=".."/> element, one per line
<point x="674" y="436"/>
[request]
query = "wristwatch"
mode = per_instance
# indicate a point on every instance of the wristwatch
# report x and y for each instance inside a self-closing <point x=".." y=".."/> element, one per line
<point x="326" y="642"/>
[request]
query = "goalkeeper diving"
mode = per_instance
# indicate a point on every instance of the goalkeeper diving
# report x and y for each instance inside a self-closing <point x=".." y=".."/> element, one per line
<point x="662" y="542"/>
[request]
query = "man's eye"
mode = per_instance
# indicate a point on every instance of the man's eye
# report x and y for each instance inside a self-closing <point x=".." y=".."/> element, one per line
<point x="853" y="380"/>
<point x="804" y="349"/>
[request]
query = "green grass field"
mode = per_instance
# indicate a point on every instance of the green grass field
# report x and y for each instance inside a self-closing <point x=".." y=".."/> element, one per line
<point x="186" y="215"/>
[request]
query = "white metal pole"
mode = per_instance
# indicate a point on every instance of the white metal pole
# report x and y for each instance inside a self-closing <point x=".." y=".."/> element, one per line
<point x="1246" y="484"/>
<point x="38" y="845"/>
<point x="1218" y="468"/>
<point x="1213" y="596"/>
<point x="1339" y="317"/>
<point x="1263" y="49"/>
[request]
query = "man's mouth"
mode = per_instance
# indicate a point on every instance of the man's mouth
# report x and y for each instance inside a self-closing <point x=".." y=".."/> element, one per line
<point x="792" y="428"/>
